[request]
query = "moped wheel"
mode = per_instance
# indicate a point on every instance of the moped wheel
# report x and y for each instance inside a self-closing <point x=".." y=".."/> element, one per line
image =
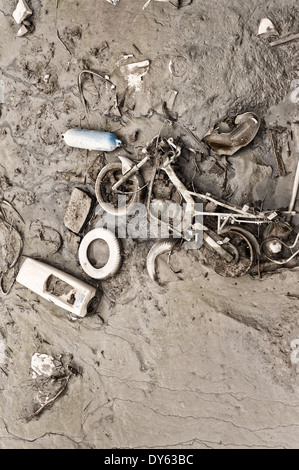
<point x="130" y="190"/>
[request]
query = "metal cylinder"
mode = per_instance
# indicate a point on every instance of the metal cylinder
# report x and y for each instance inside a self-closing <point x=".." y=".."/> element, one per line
<point x="92" y="140"/>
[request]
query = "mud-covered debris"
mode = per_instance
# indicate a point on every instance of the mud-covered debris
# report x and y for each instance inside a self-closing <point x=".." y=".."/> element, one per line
<point x="22" y="31"/>
<point x="231" y="135"/>
<point x="78" y="210"/>
<point x="21" y="12"/>
<point x="43" y="364"/>
<point x="267" y="29"/>
<point x="62" y="289"/>
<point x="134" y="73"/>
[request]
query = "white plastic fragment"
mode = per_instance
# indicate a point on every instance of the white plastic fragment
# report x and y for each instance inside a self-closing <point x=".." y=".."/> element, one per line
<point x="267" y="28"/>
<point x="21" y="12"/>
<point x="135" y="73"/>
<point x="114" y="2"/>
<point x="43" y="364"/>
<point x="22" y="31"/>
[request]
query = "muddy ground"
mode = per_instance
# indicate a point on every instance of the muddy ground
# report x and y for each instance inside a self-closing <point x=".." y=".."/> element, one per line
<point x="202" y="361"/>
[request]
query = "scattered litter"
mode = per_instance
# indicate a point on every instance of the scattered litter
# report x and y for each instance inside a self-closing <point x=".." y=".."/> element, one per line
<point x="230" y="136"/>
<point x="267" y="28"/>
<point x="113" y="2"/>
<point x="50" y="379"/>
<point x="78" y="210"/>
<point x="21" y="12"/>
<point x="92" y="140"/>
<point x="43" y="364"/>
<point x="290" y="38"/>
<point x="134" y="73"/>
<point x="62" y="289"/>
<point x="113" y="263"/>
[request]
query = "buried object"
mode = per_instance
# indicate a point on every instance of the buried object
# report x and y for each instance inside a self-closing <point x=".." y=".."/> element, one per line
<point x="58" y="287"/>
<point x="114" y="261"/>
<point x="91" y="140"/>
<point x="227" y="139"/>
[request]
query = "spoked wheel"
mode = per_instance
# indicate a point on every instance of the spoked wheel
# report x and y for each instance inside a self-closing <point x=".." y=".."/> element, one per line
<point x="129" y="190"/>
<point x="242" y="261"/>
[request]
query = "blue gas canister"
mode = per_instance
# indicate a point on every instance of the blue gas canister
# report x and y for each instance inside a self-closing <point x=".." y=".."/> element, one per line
<point x="92" y="140"/>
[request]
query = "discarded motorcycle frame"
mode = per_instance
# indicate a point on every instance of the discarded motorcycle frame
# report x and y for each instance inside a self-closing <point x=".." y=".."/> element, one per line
<point x="238" y="236"/>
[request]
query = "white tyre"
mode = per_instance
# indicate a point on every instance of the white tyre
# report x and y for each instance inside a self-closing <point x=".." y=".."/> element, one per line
<point x="114" y="261"/>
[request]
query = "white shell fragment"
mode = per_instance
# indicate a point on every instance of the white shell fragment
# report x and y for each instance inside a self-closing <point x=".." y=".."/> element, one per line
<point x="43" y="364"/>
<point x="267" y="28"/>
<point x="22" y="31"/>
<point x="21" y="12"/>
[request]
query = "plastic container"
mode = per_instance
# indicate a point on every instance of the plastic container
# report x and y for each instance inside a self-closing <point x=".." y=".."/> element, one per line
<point x="92" y="140"/>
<point x="58" y="287"/>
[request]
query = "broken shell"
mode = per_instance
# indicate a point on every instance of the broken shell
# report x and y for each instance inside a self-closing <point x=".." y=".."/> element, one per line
<point x="21" y="12"/>
<point x="267" y="28"/>
<point x="22" y="31"/>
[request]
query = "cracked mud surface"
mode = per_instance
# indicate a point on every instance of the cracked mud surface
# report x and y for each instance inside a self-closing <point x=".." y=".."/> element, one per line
<point x="203" y="361"/>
